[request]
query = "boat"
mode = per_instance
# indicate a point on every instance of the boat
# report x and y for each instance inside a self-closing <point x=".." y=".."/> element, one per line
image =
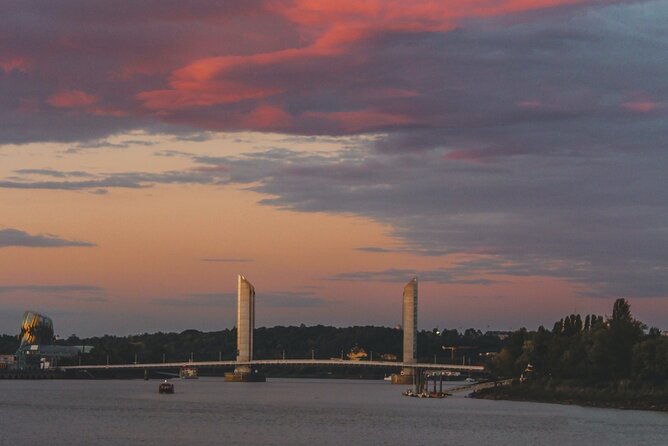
<point x="425" y="394"/>
<point x="166" y="387"/>
<point x="188" y="372"/>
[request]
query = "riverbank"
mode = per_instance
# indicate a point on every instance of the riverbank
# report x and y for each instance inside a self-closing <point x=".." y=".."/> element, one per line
<point x="605" y="397"/>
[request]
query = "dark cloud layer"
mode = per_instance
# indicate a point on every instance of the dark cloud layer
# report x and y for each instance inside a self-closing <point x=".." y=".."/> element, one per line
<point x="87" y="294"/>
<point x="398" y="275"/>
<point x="78" y="71"/>
<point x="535" y="138"/>
<point x="599" y="220"/>
<point x="15" y="237"/>
<point x="226" y="260"/>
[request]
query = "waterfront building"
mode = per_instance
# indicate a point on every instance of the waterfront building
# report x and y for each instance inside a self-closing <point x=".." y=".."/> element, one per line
<point x="36" y="329"/>
<point x="37" y="350"/>
<point x="7" y="361"/>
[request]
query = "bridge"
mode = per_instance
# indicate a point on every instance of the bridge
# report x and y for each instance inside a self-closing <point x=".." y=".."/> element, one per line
<point x="245" y="367"/>
<point x="281" y="362"/>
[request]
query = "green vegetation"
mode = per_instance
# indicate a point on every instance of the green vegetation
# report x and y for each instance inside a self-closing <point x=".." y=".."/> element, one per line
<point x="8" y="344"/>
<point x="595" y="361"/>
<point x="323" y="342"/>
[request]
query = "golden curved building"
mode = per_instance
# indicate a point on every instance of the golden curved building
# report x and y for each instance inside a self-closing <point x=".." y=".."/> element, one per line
<point x="36" y="329"/>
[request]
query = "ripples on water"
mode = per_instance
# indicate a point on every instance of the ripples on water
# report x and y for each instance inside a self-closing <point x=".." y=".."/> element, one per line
<point x="208" y="411"/>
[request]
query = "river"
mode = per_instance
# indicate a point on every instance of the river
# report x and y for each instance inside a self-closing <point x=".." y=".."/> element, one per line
<point x="208" y="411"/>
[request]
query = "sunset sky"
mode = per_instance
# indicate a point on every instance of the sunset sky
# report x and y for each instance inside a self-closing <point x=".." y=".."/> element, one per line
<point x="510" y="153"/>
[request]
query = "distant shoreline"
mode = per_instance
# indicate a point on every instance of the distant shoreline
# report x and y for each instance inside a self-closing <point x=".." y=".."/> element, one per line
<point x="644" y="399"/>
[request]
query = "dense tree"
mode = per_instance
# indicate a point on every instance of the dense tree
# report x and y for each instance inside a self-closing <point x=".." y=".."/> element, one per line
<point x="598" y="351"/>
<point x="272" y="343"/>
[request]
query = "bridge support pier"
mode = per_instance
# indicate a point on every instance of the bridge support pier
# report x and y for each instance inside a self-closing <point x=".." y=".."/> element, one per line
<point x="244" y="377"/>
<point x="398" y="378"/>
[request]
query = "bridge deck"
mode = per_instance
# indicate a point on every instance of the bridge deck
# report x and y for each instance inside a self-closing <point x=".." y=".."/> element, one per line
<point x="281" y="362"/>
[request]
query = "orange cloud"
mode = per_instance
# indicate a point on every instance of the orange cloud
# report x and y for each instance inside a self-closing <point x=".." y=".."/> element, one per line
<point x="71" y="99"/>
<point x="642" y="106"/>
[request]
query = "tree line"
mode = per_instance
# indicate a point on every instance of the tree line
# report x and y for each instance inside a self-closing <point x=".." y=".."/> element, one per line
<point x="588" y="351"/>
<point x="291" y="342"/>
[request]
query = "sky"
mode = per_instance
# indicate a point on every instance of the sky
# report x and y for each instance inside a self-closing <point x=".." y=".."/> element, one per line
<point x="510" y="153"/>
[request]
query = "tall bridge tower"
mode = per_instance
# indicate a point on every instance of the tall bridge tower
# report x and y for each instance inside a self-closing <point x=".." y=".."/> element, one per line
<point x="245" y="322"/>
<point x="409" y="323"/>
<point x="245" y="327"/>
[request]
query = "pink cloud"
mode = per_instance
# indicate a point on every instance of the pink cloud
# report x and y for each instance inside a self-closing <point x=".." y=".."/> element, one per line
<point x="71" y="99"/>
<point x="201" y="94"/>
<point x="268" y="117"/>
<point x="328" y="29"/>
<point x="14" y="64"/>
<point x="165" y="65"/>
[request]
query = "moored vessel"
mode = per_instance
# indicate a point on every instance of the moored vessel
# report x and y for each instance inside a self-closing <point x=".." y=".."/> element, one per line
<point x="166" y="387"/>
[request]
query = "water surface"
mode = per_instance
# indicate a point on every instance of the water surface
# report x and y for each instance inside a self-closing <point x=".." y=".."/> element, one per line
<point x="208" y="411"/>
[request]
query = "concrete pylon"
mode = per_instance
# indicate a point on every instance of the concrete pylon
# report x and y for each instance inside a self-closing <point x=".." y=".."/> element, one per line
<point x="409" y="323"/>
<point x="245" y="322"/>
<point x="245" y="327"/>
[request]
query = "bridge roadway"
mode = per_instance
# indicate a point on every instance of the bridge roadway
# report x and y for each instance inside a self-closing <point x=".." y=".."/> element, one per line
<point x="280" y="362"/>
